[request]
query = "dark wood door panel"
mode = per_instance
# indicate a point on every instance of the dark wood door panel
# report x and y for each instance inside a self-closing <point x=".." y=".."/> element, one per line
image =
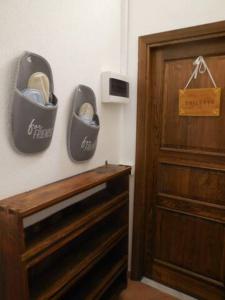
<point x="191" y="243"/>
<point x="192" y="133"/>
<point x="191" y="49"/>
<point x="183" y="158"/>
<point x="193" y="183"/>
<point x="203" y="210"/>
<point x="187" y="282"/>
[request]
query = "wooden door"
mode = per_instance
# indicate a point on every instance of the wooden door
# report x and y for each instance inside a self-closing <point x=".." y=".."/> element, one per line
<point x="179" y="232"/>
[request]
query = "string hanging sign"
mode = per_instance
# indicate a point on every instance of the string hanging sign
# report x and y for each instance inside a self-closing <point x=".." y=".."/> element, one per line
<point x="200" y="101"/>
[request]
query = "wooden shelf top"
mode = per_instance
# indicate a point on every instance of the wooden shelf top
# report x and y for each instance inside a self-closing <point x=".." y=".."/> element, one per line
<point x="35" y="200"/>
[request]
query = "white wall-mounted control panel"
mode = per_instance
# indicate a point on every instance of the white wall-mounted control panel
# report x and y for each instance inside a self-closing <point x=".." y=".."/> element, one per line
<point x="115" y="88"/>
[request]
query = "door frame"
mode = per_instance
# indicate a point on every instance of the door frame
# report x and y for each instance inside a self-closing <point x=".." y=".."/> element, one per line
<point x="143" y="138"/>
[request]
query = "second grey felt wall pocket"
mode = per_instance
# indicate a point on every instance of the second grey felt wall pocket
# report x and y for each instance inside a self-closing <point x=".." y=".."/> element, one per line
<point x="83" y="125"/>
<point x="33" y="119"/>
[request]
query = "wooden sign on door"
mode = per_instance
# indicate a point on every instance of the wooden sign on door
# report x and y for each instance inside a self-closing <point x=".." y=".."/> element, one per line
<point x="203" y="102"/>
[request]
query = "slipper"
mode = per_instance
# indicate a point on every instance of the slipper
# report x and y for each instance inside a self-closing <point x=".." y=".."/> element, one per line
<point x="83" y="126"/>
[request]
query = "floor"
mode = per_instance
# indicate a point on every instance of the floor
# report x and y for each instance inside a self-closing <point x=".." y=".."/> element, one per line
<point x="140" y="291"/>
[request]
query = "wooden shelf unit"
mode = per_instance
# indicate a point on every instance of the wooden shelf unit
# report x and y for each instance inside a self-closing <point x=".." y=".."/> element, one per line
<point x="78" y="252"/>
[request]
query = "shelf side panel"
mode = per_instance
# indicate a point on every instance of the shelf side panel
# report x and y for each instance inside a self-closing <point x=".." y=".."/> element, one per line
<point x="13" y="280"/>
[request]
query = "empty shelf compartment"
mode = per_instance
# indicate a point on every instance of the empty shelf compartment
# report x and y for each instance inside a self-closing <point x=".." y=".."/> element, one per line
<point x="96" y="282"/>
<point x="50" y="275"/>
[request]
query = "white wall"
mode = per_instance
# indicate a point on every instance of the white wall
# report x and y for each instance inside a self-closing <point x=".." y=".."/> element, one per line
<point x="79" y="38"/>
<point x="152" y="16"/>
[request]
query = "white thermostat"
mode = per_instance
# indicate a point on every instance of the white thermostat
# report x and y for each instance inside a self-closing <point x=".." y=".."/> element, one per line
<point x="115" y="88"/>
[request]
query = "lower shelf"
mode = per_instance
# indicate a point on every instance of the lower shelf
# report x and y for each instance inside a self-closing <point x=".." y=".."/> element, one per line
<point x="95" y="283"/>
<point x="117" y="286"/>
<point x="47" y="279"/>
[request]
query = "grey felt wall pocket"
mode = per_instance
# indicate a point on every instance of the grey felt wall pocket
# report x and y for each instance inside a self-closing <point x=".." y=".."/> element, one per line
<point x="32" y="122"/>
<point x="83" y="125"/>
